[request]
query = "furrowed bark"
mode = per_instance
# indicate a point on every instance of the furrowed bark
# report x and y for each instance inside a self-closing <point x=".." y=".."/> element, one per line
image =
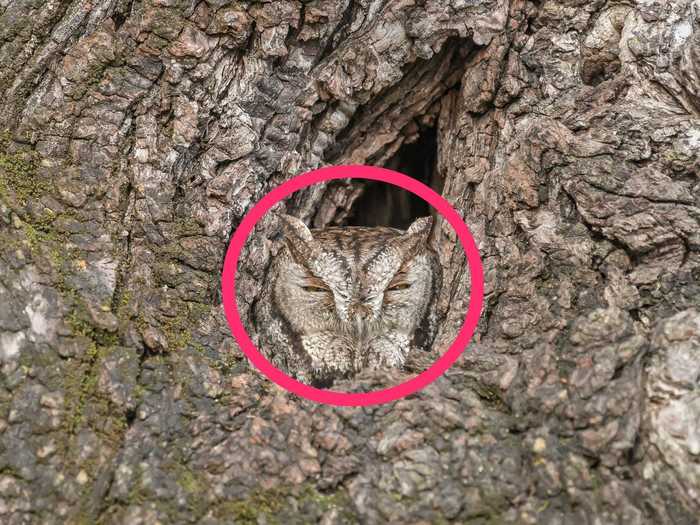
<point x="137" y="134"/>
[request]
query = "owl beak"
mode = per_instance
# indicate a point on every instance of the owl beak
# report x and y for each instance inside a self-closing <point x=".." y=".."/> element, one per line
<point x="360" y="311"/>
<point x="359" y="315"/>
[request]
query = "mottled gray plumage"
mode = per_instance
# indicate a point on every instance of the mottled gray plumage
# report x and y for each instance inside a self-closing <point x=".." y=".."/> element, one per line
<point x="338" y="300"/>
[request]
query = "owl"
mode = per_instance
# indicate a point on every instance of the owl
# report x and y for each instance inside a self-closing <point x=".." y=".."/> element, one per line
<point x="338" y="300"/>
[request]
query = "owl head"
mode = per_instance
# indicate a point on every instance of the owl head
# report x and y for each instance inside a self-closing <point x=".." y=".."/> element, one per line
<point x="354" y="294"/>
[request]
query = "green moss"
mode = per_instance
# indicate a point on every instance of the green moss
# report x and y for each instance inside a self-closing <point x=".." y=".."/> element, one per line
<point x="327" y="502"/>
<point x="44" y="241"/>
<point x="199" y="348"/>
<point x="177" y="329"/>
<point x="261" y="504"/>
<point x="92" y="77"/>
<point x="187" y="227"/>
<point x="177" y="332"/>
<point x="167" y="24"/>
<point x="227" y="362"/>
<point x="189" y="482"/>
<point x="18" y="173"/>
<point x="273" y="505"/>
<point x="81" y="383"/>
<point x="80" y="387"/>
<point x="194" y="487"/>
<point x="54" y="246"/>
<point x="76" y="391"/>
<point x="77" y="321"/>
<point x="82" y="518"/>
<point x="51" y="249"/>
<point x="137" y="495"/>
<point x="123" y="312"/>
<point x="490" y="394"/>
<point x="672" y="156"/>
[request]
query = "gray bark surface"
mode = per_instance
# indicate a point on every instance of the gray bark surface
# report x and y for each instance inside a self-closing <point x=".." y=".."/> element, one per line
<point x="140" y="132"/>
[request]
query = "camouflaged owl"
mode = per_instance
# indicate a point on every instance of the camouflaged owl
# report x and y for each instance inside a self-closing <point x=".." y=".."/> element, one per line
<point x="341" y="299"/>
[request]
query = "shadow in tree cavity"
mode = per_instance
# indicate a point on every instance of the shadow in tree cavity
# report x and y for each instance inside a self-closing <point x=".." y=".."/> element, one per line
<point x="382" y="204"/>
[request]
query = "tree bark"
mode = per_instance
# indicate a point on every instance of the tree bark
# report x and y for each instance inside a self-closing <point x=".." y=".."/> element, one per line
<point x="139" y="133"/>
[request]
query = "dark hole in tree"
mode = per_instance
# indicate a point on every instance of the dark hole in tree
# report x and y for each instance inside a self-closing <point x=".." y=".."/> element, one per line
<point x="387" y="205"/>
<point x="118" y="19"/>
<point x="121" y="12"/>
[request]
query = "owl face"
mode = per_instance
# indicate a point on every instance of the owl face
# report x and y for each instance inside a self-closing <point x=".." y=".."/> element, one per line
<point x="354" y="296"/>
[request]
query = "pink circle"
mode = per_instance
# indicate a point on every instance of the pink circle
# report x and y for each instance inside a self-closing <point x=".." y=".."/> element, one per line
<point x="331" y="397"/>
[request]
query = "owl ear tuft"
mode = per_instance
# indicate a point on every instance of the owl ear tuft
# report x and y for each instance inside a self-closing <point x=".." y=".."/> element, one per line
<point x="298" y="238"/>
<point x="421" y="225"/>
<point x="415" y="240"/>
<point x="294" y="228"/>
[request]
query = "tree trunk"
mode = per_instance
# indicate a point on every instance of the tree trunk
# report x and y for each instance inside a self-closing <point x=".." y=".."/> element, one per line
<point x="139" y="133"/>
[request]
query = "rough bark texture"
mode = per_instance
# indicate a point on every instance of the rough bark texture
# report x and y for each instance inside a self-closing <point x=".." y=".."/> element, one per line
<point x="140" y="132"/>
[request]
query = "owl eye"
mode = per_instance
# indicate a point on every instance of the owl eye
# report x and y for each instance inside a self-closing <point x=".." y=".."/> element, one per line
<point x="314" y="288"/>
<point x="399" y="286"/>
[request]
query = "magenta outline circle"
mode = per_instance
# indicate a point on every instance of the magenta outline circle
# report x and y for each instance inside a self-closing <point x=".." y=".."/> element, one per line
<point x="459" y="345"/>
